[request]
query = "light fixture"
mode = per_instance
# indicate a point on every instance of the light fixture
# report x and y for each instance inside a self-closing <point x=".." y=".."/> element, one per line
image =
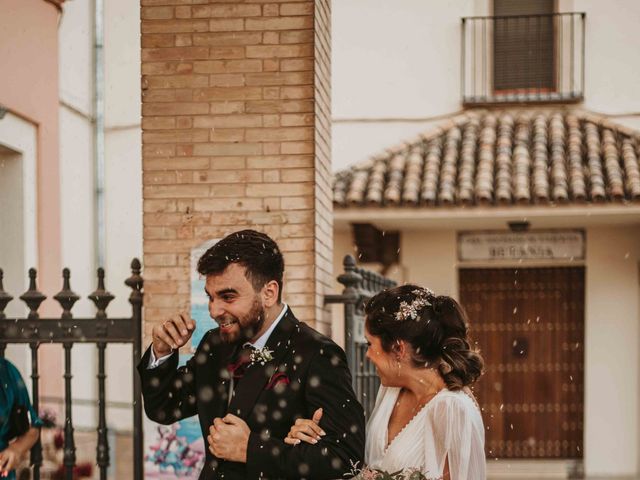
<point x="519" y="225"/>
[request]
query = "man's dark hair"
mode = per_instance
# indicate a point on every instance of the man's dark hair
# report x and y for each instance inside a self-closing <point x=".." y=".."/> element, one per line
<point x="255" y="251"/>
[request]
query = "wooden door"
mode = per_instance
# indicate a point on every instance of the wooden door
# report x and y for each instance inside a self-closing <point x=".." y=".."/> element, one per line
<point x="529" y="325"/>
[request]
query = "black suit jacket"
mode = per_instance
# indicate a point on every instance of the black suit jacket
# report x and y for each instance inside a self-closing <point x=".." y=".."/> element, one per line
<point x="318" y="376"/>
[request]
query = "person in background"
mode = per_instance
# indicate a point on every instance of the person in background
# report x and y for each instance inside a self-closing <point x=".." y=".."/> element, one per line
<point x="18" y="432"/>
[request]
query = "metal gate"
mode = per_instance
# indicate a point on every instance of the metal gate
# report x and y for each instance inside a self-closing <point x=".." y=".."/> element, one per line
<point x="359" y="286"/>
<point x="69" y="331"/>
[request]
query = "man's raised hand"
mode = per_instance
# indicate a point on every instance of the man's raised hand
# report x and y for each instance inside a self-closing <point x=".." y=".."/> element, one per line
<point x="172" y="334"/>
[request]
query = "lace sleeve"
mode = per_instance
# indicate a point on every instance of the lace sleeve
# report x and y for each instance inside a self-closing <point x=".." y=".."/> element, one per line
<point x="458" y="436"/>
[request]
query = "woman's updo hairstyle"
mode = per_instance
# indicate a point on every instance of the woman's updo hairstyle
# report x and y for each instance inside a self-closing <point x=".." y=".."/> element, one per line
<point x="436" y="327"/>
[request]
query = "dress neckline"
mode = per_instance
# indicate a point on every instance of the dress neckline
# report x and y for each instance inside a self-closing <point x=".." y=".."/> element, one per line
<point x="406" y="425"/>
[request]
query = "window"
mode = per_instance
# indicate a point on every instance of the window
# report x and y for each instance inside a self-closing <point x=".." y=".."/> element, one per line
<point x="523" y="47"/>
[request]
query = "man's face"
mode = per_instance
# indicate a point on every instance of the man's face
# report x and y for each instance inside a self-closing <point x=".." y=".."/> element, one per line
<point x="234" y="304"/>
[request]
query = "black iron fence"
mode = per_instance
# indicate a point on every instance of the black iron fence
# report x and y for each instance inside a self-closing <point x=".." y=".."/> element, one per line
<point x="359" y="286"/>
<point x="68" y="331"/>
<point x="523" y="59"/>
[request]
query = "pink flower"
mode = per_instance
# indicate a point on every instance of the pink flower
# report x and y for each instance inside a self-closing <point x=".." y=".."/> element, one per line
<point x="368" y="474"/>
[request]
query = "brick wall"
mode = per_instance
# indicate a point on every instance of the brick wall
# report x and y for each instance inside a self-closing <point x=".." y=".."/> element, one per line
<point x="323" y="190"/>
<point x="236" y="134"/>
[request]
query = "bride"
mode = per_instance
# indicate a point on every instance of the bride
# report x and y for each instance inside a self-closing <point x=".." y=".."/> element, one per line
<point x="425" y="416"/>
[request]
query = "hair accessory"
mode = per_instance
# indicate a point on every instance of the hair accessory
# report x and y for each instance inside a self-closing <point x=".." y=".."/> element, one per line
<point x="410" y="310"/>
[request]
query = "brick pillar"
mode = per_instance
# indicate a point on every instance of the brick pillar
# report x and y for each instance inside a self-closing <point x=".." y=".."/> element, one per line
<point x="236" y="134"/>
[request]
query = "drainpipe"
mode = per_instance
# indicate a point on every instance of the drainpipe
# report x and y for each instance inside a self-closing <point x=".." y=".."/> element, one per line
<point x="98" y="51"/>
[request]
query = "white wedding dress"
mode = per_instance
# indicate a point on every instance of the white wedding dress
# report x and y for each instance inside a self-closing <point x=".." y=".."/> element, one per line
<point x="449" y="427"/>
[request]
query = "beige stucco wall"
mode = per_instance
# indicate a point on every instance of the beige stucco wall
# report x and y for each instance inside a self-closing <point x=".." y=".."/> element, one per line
<point x="123" y="190"/>
<point x="123" y="177"/>
<point x="123" y="184"/>
<point x="429" y="259"/>
<point x="392" y="66"/>
<point x="612" y="343"/>
<point x="612" y="40"/>
<point x="77" y="205"/>
<point x="123" y="143"/>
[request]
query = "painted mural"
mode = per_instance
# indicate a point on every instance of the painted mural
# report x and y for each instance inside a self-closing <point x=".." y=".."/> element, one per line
<point x="177" y="451"/>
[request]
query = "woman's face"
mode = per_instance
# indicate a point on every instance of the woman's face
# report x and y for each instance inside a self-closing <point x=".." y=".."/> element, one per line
<point x="385" y="362"/>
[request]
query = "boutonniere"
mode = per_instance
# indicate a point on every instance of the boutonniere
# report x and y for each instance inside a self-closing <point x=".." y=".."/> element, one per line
<point x="261" y="356"/>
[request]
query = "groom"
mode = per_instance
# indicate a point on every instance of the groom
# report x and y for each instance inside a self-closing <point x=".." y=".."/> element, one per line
<point x="252" y="377"/>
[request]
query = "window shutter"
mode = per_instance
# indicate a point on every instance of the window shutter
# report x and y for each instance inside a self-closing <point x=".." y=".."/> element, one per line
<point x="523" y="48"/>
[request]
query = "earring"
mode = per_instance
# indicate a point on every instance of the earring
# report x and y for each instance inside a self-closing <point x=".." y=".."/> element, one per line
<point x="399" y="366"/>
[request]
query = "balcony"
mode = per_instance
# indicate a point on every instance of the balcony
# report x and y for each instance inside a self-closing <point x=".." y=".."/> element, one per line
<point x="523" y="59"/>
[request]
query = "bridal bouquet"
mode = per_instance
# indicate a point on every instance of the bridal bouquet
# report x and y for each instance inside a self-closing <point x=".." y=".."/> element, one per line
<point x="368" y="473"/>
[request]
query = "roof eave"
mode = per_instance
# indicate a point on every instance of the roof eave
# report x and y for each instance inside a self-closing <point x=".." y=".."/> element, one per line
<point x="490" y="217"/>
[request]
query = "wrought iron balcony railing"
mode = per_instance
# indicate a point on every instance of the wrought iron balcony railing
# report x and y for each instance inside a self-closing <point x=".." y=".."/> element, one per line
<point x="523" y="59"/>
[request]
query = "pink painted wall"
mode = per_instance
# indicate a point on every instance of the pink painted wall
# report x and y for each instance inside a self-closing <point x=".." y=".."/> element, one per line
<point x="29" y="89"/>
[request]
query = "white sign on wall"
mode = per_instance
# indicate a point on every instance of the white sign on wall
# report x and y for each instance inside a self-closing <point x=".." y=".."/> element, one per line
<point x="547" y="245"/>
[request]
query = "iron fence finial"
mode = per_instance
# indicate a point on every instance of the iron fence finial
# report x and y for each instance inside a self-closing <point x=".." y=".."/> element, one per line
<point x="32" y="297"/>
<point x="135" y="281"/>
<point x="66" y="297"/>
<point x="101" y="297"/>
<point x="350" y="279"/>
<point x="5" y="298"/>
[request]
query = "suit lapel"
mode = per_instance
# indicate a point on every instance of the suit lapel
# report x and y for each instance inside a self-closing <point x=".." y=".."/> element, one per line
<point x="215" y="375"/>
<point x="256" y="376"/>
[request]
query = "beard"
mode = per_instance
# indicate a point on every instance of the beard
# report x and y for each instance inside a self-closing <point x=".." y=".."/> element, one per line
<point x="245" y="327"/>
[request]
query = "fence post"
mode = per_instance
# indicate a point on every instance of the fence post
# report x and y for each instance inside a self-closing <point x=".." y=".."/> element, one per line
<point x="5" y="298"/>
<point x="350" y="278"/>
<point x="33" y="298"/>
<point x="101" y="298"/>
<point x="136" y="283"/>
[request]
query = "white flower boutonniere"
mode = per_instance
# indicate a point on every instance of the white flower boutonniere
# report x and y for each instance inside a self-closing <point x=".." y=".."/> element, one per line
<point x="261" y="356"/>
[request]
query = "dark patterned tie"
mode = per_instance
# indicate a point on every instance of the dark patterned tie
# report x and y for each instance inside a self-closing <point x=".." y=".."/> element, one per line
<point x="242" y="360"/>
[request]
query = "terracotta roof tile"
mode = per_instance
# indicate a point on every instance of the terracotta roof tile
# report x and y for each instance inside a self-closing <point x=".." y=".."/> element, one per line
<point x="501" y="158"/>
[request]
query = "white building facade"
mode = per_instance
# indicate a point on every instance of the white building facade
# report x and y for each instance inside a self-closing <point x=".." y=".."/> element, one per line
<point x="397" y="93"/>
